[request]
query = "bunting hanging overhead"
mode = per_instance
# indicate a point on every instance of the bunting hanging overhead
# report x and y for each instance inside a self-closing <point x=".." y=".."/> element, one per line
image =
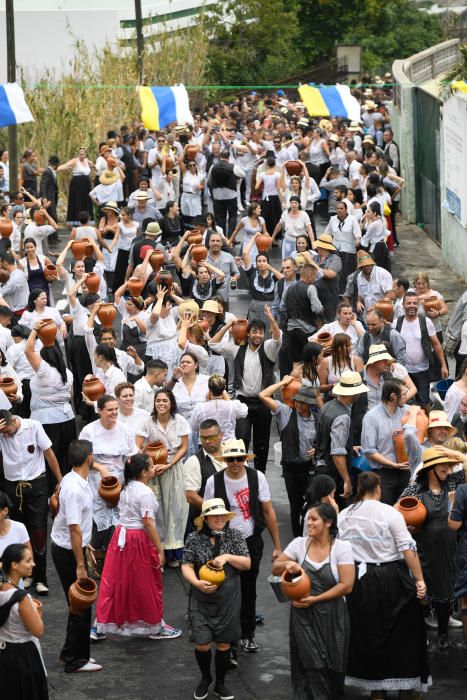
<point x="330" y="101"/>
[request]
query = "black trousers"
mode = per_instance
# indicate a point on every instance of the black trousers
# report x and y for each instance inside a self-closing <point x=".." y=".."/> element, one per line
<point x="297" y="478"/>
<point x="30" y="507"/>
<point x="393" y="482"/>
<point x="76" y="649"/>
<point x="255" y="546"/>
<point x="349" y="265"/>
<point x="422" y="382"/>
<point x="258" y="419"/>
<point x="61" y="434"/>
<point x="224" y="208"/>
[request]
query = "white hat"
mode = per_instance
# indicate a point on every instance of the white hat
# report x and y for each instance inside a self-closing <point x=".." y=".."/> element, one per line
<point x="235" y="448"/>
<point x="351" y="384"/>
<point x="377" y="353"/>
<point x="214" y="506"/>
<point x="153" y="229"/>
<point x="141" y="194"/>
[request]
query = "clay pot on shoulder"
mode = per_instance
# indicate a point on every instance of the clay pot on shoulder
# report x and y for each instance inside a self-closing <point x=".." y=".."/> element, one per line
<point x="8" y="386"/>
<point x="93" y="388"/>
<point x="112" y="162"/>
<point x="296" y="586"/>
<point x="50" y="273"/>
<point x="6" y="228"/>
<point x="293" y="167"/>
<point x="195" y="238"/>
<point x="289" y="390"/>
<point x="156" y="260"/>
<point x="386" y="307"/>
<point x="109" y="490"/>
<point x="54" y="503"/>
<point x="78" y="249"/>
<point x="4" y="276"/>
<point x="106" y="315"/>
<point x="199" y="253"/>
<point x="68" y="319"/>
<point x="81" y="595"/>
<point x="239" y="331"/>
<point x="169" y="163"/>
<point x="263" y="242"/>
<point x="89" y="249"/>
<point x="165" y="279"/>
<point x="191" y="153"/>
<point x="93" y="282"/>
<point x="39" y="218"/>
<point x="431" y="304"/>
<point x="212" y="574"/>
<point x="413" y="512"/>
<point x="157" y="451"/>
<point x="324" y="339"/>
<point x="135" y="286"/>
<point x="48" y="332"/>
<point x="421" y="422"/>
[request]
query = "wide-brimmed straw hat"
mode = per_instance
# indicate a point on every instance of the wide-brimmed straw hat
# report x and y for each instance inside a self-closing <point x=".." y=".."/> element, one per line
<point x="364" y="259"/>
<point x="432" y="457"/>
<point x="324" y="241"/>
<point x="235" y="448"/>
<point x="108" y="178"/>
<point x="333" y="137"/>
<point x="439" y="419"/>
<point x="111" y="206"/>
<point x="214" y="506"/>
<point x="369" y="104"/>
<point x="351" y="384"/>
<point x="153" y="229"/>
<point x="377" y="353"/>
<point x="211" y="306"/>
<point x="355" y="126"/>
<point x="141" y="195"/>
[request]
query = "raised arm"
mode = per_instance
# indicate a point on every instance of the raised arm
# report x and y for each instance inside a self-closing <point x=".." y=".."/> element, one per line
<point x="267" y="393"/>
<point x="32" y="356"/>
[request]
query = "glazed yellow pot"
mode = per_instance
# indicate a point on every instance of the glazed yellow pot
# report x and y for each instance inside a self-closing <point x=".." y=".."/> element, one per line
<point x="212" y="574"/>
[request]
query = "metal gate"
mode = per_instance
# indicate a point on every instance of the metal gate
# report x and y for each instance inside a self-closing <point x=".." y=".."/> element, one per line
<point x="427" y="169"/>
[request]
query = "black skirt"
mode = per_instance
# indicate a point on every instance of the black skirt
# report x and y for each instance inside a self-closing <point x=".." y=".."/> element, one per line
<point x="388" y="648"/>
<point x="78" y="199"/>
<point x="22" y="675"/>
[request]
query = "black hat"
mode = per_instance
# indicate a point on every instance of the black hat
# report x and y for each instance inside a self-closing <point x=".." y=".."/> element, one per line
<point x="54" y="160"/>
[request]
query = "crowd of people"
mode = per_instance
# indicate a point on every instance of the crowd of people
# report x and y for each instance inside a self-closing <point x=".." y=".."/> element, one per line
<point x="167" y="231"/>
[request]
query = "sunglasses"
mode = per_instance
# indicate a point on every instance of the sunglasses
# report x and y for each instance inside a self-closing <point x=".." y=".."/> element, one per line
<point x="209" y="438"/>
<point x="229" y="460"/>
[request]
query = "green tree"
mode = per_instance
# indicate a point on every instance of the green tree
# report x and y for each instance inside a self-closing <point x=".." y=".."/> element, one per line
<point x="253" y="41"/>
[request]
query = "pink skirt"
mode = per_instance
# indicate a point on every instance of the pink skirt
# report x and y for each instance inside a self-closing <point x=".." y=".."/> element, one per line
<point x="130" y="593"/>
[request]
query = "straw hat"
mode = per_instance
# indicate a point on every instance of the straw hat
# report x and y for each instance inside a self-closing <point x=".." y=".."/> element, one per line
<point x="368" y="139"/>
<point x="351" y="384"/>
<point x="324" y="241"/>
<point x="214" y="506"/>
<point x="439" y="419"/>
<point x="108" y="178"/>
<point x="334" y="138"/>
<point x="369" y="104"/>
<point x="153" y="229"/>
<point x="303" y="121"/>
<point x="364" y="259"/>
<point x="432" y="457"/>
<point x="235" y="448"/>
<point x="377" y="353"/>
<point x="111" y="206"/>
<point x="212" y="306"/>
<point x="141" y="195"/>
<point x="325" y="124"/>
<point x="355" y="126"/>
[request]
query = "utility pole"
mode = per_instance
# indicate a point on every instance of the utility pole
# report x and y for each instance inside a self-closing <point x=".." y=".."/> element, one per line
<point x="139" y="40"/>
<point x="11" y="76"/>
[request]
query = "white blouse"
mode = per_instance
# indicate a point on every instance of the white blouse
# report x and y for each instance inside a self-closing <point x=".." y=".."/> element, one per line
<point x="137" y="501"/>
<point x="341" y="553"/>
<point x="176" y="428"/>
<point x="186" y="401"/>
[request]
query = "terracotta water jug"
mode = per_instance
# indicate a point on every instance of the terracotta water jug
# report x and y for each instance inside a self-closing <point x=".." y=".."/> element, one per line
<point x="156" y="260"/>
<point x="239" y="331"/>
<point x="135" y="286"/>
<point x="54" y="503"/>
<point x="4" y="276"/>
<point x="93" y="388"/>
<point x="263" y="242"/>
<point x="78" y="249"/>
<point x="212" y="574"/>
<point x="386" y="307"/>
<point x="431" y="304"/>
<point x="421" y="423"/>
<point x="413" y="512"/>
<point x="165" y="279"/>
<point x="106" y="315"/>
<point x="109" y="490"/>
<point x="157" y="451"/>
<point x="297" y="585"/>
<point x="288" y="392"/>
<point x="199" y="253"/>
<point x="293" y="167"/>
<point x="48" y="332"/>
<point x="325" y="340"/>
<point x="68" y="319"/>
<point x="399" y="446"/>
<point x="204" y="325"/>
<point x="40" y="218"/>
<point x="93" y="282"/>
<point x="195" y="238"/>
<point x="6" y="228"/>
<point x="8" y="386"/>
<point x="50" y="273"/>
<point x="112" y="162"/>
<point x="169" y="163"/>
<point x="191" y="153"/>
<point x="81" y="595"/>
<point x="89" y="249"/>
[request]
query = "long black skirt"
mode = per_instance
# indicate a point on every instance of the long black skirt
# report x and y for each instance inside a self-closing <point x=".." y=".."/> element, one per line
<point x="120" y="267"/>
<point x="22" y="675"/>
<point x="80" y="365"/>
<point x="388" y="648"/>
<point x="78" y="199"/>
<point x="271" y="211"/>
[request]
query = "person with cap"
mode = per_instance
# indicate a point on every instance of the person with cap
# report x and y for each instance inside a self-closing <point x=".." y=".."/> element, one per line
<point x="380" y="427"/>
<point x="346" y="235"/>
<point x="334" y="440"/>
<point x="297" y="430"/>
<point x="329" y="268"/>
<point x="388" y="644"/>
<point x="346" y="322"/>
<point x="145" y="210"/>
<point x="143" y="186"/>
<point x="437" y="431"/>
<point x="142" y="244"/>
<point x="214" y="609"/>
<point x="246" y="493"/>
<point x="434" y="486"/>
<point x="48" y="187"/>
<point x="368" y="284"/>
<point x="422" y="344"/>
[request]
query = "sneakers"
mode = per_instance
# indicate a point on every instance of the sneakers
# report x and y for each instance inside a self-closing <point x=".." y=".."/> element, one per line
<point x="249" y="645"/>
<point x="222" y="692"/>
<point x="41" y="589"/>
<point x="167" y="632"/>
<point x="89" y="668"/>
<point x="454" y="623"/>
<point x="431" y="621"/>
<point x="96" y="636"/>
<point x="27" y="582"/>
<point x="202" y="691"/>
